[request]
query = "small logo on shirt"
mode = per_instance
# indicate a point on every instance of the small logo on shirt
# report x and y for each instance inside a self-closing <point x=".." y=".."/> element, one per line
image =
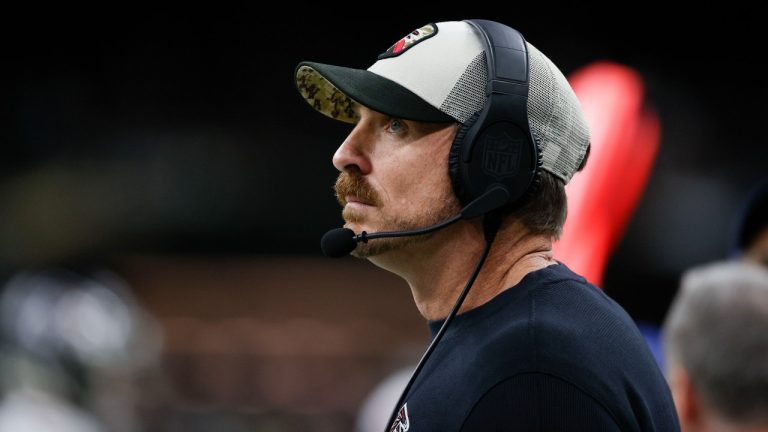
<point x="401" y="423"/>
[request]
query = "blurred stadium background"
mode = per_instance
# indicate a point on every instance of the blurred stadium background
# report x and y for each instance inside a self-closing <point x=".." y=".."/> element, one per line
<point x="170" y="147"/>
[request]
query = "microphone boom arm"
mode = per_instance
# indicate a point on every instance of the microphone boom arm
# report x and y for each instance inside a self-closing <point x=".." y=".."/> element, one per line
<point x="492" y="199"/>
<point x="364" y="236"/>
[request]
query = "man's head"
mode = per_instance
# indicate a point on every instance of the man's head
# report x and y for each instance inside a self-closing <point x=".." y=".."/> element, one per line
<point x="529" y="135"/>
<point x="716" y="343"/>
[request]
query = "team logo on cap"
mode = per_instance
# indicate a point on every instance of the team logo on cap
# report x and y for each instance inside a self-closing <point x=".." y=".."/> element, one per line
<point x="414" y="37"/>
<point x="502" y="155"/>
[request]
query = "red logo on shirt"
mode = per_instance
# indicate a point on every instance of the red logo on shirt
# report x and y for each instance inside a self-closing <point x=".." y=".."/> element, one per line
<point x="402" y="423"/>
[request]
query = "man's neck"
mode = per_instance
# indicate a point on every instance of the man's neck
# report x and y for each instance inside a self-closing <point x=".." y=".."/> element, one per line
<point x="438" y="268"/>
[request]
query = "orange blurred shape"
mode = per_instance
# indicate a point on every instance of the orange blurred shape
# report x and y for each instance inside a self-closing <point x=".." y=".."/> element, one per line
<point x="625" y="139"/>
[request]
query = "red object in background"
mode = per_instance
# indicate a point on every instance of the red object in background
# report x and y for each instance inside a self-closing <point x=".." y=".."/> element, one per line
<point x="625" y="139"/>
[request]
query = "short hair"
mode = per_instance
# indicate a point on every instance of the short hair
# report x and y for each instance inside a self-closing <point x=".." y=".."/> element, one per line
<point x="545" y="210"/>
<point x="717" y="330"/>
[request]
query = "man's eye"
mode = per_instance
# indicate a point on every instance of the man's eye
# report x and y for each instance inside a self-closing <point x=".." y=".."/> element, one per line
<point x="396" y="125"/>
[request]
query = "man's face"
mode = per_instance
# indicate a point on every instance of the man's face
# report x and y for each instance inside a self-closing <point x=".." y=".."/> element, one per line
<point x="394" y="176"/>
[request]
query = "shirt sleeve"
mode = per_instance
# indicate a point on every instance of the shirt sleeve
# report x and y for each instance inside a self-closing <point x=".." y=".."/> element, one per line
<point x="538" y="402"/>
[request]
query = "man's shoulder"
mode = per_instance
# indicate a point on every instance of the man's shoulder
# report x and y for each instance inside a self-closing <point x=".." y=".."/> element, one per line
<point x="568" y="320"/>
<point x="553" y="321"/>
<point x="563" y="327"/>
<point x="552" y="330"/>
<point x="554" y="299"/>
<point x="561" y="301"/>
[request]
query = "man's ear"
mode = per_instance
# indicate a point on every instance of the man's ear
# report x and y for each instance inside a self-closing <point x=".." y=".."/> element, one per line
<point x="687" y="402"/>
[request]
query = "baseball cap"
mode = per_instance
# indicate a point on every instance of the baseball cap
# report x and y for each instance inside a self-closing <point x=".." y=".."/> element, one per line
<point x="438" y="73"/>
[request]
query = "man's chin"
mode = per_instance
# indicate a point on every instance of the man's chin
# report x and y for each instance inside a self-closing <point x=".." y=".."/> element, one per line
<point x="375" y="248"/>
<point x="356" y="227"/>
<point x="387" y="247"/>
<point x="360" y="224"/>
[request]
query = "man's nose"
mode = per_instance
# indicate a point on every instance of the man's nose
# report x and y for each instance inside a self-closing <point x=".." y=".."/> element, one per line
<point x="352" y="153"/>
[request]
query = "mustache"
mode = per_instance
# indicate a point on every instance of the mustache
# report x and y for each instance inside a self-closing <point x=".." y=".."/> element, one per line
<point x="352" y="183"/>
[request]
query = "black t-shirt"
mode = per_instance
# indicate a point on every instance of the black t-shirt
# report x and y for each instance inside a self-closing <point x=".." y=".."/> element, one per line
<point x="552" y="353"/>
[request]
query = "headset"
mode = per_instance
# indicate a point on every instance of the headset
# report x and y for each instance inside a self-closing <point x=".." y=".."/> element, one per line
<point x="494" y="162"/>
<point x="496" y="146"/>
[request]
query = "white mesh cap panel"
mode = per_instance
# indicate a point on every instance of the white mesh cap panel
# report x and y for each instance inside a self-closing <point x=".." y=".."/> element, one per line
<point x="449" y="72"/>
<point x="431" y="68"/>
<point x="468" y="95"/>
<point x="555" y="117"/>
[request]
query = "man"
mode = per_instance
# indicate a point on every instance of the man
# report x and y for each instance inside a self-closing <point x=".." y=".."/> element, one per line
<point x="534" y="347"/>
<point x="716" y="342"/>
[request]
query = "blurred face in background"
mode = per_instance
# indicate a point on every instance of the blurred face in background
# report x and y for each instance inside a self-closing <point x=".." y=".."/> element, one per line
<point x="758" y="249"/>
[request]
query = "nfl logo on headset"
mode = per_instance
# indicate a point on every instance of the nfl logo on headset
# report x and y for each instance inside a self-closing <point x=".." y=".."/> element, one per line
<point x="501" y="156"/>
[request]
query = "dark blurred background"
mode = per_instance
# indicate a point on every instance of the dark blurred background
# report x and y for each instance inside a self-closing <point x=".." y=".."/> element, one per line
<point x="171" y="147"/>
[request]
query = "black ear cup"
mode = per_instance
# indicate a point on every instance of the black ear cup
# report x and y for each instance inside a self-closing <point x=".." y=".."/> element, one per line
<point x="501" y="153"/>
<point x="495" y="146"/>
<point x="455" y="168"/>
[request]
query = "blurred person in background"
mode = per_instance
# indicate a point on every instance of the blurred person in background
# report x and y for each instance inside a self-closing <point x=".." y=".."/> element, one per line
<point x="751" y="238"/>
<point x="716" y="345"/>
<point x="72" y="345"/>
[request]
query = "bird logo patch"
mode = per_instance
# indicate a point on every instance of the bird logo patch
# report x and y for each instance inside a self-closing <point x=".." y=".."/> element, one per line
<point x="410" y="40"/>
<point x="401" y="423"/>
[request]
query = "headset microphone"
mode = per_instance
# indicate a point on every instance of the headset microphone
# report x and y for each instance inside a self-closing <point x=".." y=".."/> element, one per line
<point x="339" y="242"/>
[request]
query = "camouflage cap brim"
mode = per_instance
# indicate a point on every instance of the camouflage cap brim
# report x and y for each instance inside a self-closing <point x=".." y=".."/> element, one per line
<point x="333" y="89"/>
